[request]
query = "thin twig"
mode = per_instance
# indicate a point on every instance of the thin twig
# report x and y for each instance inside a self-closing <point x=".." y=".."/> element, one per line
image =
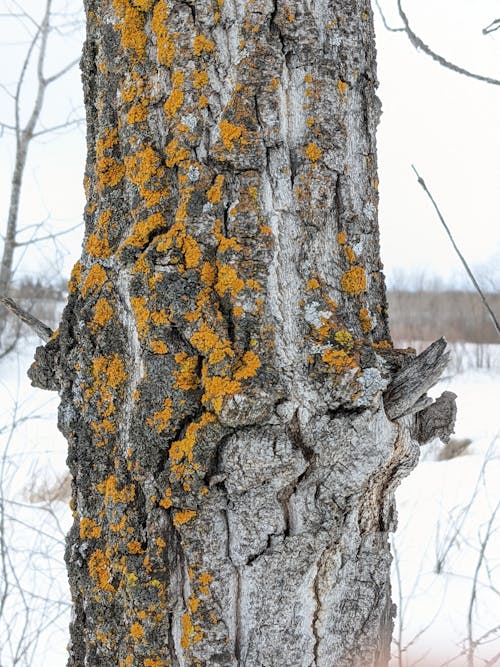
<point x="462" y="259"/>
<point x="420" y="45"/>
<point x="494" y="25"/>
<point x="41" y="329"/>
<point x="384" y="21"/>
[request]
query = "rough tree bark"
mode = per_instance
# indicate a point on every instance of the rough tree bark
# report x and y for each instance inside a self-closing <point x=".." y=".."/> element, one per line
<point x="225" y="348"/>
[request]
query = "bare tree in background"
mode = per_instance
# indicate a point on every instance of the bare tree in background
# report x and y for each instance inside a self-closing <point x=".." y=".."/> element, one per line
<point x="22" y="117"/>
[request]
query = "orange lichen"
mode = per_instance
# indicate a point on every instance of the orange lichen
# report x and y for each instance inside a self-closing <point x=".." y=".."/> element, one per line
<point x="382" y="345"/>
<point x="250" y="364"/>
<point x="103" y="313"/>
<point x="183" y="516"/>
<point x="229" y="133"/>
<point x="154" y="662"/>
<point x="89" y="529"/>
<point x="341" y="238"/>
<point x="214" y="194"/>
<point x="131" y="26"/>
<point x="109" y="489"/>
<point x="135" y="547"/>
<point x="187" y="377"/>
<point x="350" y="254"/>
<point x="206" y="341"/>
<point x="141" y="231"/>
<point x="366" y="323"/>
<point x="98" y="247"/>
<point x="141" y="168"/>
<point x="313" y="152"/>
<point x="217" y="389"/>
<point x="224" y="242"/>
<point x="228" y="281"/>
<point x="201" y="44"/>
<point x="158" y="347"/>
<point x="109" y="370"/>
<point x="96" y="277"/>
<point x="142" y="315"/>
<point x="344" y="338"/>
<point x="339" y="360"/>
<point x="342" y="87"/>
<point x="161" y="419"/>
<point x="183" y="449"/>
<point x="166" y="501"/>
<point x="109" y="172"/>
<point x="313" y="283"/>
<point x="353" y="281"/>
<point x="137" y="113"/>
<point x="200" y="79"/>
<point x="175" y="153"/>
<point x="165" y="46"/>
<point x="176" y="98"/>
<point x="75" y="278"/>
<point x="99" y="569"/>
<point x="137" y="631"/>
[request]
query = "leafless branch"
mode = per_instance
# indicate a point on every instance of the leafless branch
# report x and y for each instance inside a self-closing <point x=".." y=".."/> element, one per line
<point x="420" y="45"/>
<point x="38" y="327"/>
<point x="461" y="257"/>
<point x="494" y="25"/>
<point x="384" y="20"/>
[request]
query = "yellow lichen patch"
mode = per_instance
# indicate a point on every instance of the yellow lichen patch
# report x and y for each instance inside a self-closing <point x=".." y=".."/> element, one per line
<point x="137" y="113"/>
<point x="187" y="377"/>
<point x="166" y="501"/>
<point x="103" y="313"/>
<point x="183" y="516"/>
<point x="96" y="277"/>
<point x="75" y="278"/>
<point x="310" y="121"/>
<point x="175" y="153"/>
<point x="155" y="662"/>
<point x="353" y="281"/>
<point x="385" y="345"/>
<point x="159" y="317"/>
<point x="341" y="238"/>
<point x="250" y="364"/>
<point x="313" y="283"/>
<point x="135" y="547"/>
<point x="350" y="254"/>
<point x="217" y="389"/>
<point x="137" y="631"/>
<point x="208" y="274"/>
<point x="224" y="242"/>
<point x="366" y="323"/>
<point x="206" y="341"/>
<point x="141" y="168"/>
<point x="158" y="347"/>
<point x="308" y="78"/>
<point x="98" y="247"/>
<point x="109" y="371"/>
<point x="201" y="44"/>
<point x="183" y="449"/>
<point x="143" y="5"/>
<point x="205" y="580"/>
<point x="109" y="172"/>
<point x="141" y="231"/>
<point x="342" y="87"/>
<point x="339" y="360"/>
<point x="165" y="45"/>
<point x="229" y="133"/>
<point x="108" y="139"/>
<point x="313" y="152"/>
<point x="193" y="604"/>
<point x="161" y="419"/>
<point x="228" y="281"/>
<point x="176" y="98"/>
<point x="99" y="570"/>
<point x="109" y="489"/>
<point x="89" y="529"/>
<point x="200" y="79"/>
<point x="131" y="26"/>
<point x="214" y="194"/>
<point x="142" y="315"/>
<point x="344" y="338"/>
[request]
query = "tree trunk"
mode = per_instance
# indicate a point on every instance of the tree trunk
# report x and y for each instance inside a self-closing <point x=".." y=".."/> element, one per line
<point x="225" y="347"/>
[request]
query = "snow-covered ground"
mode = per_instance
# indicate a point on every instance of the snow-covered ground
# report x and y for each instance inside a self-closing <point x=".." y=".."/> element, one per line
<point x="447" y="550"/>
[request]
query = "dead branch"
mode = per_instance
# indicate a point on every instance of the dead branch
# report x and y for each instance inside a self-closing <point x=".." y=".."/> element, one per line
<point x="41" y="329"/>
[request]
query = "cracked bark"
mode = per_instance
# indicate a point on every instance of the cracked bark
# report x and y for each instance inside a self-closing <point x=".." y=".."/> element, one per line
<point x="225" y="349"/>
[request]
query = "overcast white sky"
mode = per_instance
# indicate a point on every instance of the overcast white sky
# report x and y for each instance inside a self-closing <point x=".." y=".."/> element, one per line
<point x="443" y="123"/>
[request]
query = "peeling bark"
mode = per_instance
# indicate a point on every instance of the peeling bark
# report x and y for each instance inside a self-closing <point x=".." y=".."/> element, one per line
<point x="225" y="348"/>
